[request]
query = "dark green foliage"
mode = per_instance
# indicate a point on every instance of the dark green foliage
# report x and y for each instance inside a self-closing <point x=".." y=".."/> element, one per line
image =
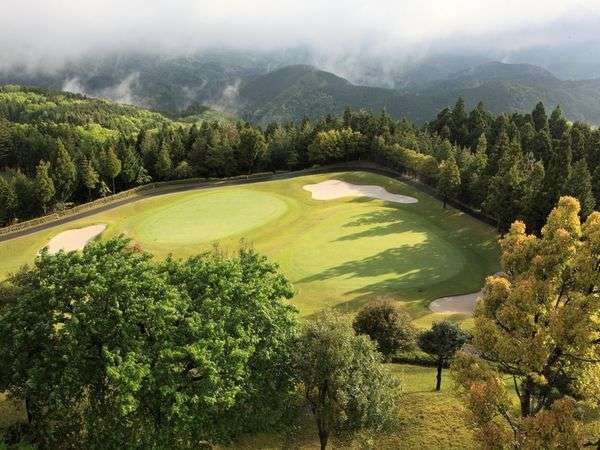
<point x="442" y="341"/>
<point x="386" y="324"/>
<point x="44" y="186"/>
<point x="539" y="117"/>
<point x="108" y="348"/>
<point x="579" y="185"/>
<point x="64" y="173"/>
<point x="448" y="179"/>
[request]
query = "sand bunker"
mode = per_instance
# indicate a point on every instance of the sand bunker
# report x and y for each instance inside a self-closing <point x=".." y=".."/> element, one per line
<point x="457" y="304"/>
<point x="332" y="189"/>
<point x="74" y="239"/>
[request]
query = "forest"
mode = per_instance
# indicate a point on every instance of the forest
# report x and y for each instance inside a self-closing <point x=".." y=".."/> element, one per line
<point x="59" y="149"/>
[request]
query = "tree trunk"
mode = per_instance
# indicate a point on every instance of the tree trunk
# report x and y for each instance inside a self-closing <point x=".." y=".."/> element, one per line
<point x="438" y="378"/>
<point x="28" y="409"/>
<point x="113" y="183"/>
<point x="525" y="400"/>
<point x="323" y="434"/>
<point x="445" y="202"/>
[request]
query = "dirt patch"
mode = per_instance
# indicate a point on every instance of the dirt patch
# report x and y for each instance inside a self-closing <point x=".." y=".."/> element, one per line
<point x="74" y="239"/>
<point x="332" y="189"/>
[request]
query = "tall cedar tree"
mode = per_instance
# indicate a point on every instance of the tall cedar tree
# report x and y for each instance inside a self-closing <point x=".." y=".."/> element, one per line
<point x="448" y="179"/>
<point x="90" y="177"/>
<point x="44" y="186"/>
<point x="111" y="165"/>
<point x="64" y="172"/>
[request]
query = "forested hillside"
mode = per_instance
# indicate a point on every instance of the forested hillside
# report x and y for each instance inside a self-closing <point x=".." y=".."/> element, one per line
<point x="293" y="92"/>
<point x="264" y="87"/>
<point x="56" y="149"/>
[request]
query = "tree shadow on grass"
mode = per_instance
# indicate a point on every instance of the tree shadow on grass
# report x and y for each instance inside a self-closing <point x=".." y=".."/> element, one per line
<point x="406" y="262"/>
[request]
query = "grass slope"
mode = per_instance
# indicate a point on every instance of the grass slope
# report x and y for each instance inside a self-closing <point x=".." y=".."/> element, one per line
<point x="339" y="253"/>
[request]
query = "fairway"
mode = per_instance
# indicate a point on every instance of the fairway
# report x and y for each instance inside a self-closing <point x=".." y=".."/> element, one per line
<point x="338" y="253"/>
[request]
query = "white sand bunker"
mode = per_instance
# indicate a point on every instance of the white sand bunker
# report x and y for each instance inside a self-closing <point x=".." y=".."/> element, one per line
<point x="332" y="189"/>
<point x="457" y="304"/>
<point x="74" y="239"/>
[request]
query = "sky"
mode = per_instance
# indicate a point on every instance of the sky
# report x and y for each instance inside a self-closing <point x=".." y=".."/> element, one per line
<point x="49" y="32"/>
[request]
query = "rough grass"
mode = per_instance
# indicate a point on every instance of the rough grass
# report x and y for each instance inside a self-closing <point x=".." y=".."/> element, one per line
<point x="428" y="420"/>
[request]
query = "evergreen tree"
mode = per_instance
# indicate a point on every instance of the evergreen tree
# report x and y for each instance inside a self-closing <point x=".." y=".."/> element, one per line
<point x="163" y="164"/>
<point x="89" y="176"/>
<point x="111" y="165"/>
<point x="596" y="185"/>
<point x="8" y="201"/>
<point x="25" y="189"/>
<point x="579" y="141"/>
<point x="579" y="185"/>
<point x="539" y="117"/>
<point x="64" y="172"/>
<point x="559" y="169"/>
<point x="44" y="186"/>
<point x="542" y="146"/>
<point x="459" y="129"/>
<point x="448" y="179"/>
<point x="557" y="123"/>
<point x="478" y="123"/>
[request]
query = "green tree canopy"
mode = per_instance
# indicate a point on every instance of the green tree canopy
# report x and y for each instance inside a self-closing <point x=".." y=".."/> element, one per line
<point x="44" y="186"/>
<point x="442" y="341"/>
<point x="108" y="348"/>
<point x="386" y="324"/>
<point x="342" y="379"/>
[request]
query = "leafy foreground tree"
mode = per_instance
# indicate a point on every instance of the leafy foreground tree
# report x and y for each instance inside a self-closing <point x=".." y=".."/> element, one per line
<point x="442" y="341"/>
<point x="342" y="379"/>
<point x="539" y="323"/>
<point x="386" y="324"/>
<point x="107" y="348"/>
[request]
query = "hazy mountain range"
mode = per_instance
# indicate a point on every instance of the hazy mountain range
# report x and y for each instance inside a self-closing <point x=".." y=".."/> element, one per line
<point x="272" y="86"/>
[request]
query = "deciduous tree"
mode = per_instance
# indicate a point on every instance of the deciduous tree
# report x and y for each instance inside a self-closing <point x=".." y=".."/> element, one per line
<point x="342" y="378"/>
<point x="442" y="341"/>
<point x="386" y="324"/>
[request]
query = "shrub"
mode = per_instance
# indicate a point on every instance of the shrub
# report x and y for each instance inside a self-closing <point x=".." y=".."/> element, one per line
<point x="389" y="326"/>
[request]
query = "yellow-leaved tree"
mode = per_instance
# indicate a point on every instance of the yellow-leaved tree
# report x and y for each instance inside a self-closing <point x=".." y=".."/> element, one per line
<point x="538" y="324"/>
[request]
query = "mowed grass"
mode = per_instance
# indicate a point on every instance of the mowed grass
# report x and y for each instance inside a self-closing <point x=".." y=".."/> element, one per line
<point x="338" y="253"/>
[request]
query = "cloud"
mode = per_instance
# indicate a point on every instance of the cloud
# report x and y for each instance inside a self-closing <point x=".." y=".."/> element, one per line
<point x="122" y="92"/>
<point x="49" y="32"/>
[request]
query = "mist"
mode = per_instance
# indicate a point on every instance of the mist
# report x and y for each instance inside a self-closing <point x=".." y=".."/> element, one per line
<point x="341" y="36"/>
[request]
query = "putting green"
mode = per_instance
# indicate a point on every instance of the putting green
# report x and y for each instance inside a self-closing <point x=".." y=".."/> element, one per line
<point x="205" y="217"/>
<point x="338" y="253"/>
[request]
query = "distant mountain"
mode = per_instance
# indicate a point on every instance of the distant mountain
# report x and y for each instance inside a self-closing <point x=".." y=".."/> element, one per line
<point x="271" y="86"/>
<point x="293" y="92"/>
<point x="161" y="82"/>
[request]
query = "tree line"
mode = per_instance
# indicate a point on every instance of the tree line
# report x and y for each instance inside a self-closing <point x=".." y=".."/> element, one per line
<point x="510" y="166"/>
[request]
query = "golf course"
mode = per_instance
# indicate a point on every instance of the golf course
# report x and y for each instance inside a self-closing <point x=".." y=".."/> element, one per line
<point x="338" y="252"/>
